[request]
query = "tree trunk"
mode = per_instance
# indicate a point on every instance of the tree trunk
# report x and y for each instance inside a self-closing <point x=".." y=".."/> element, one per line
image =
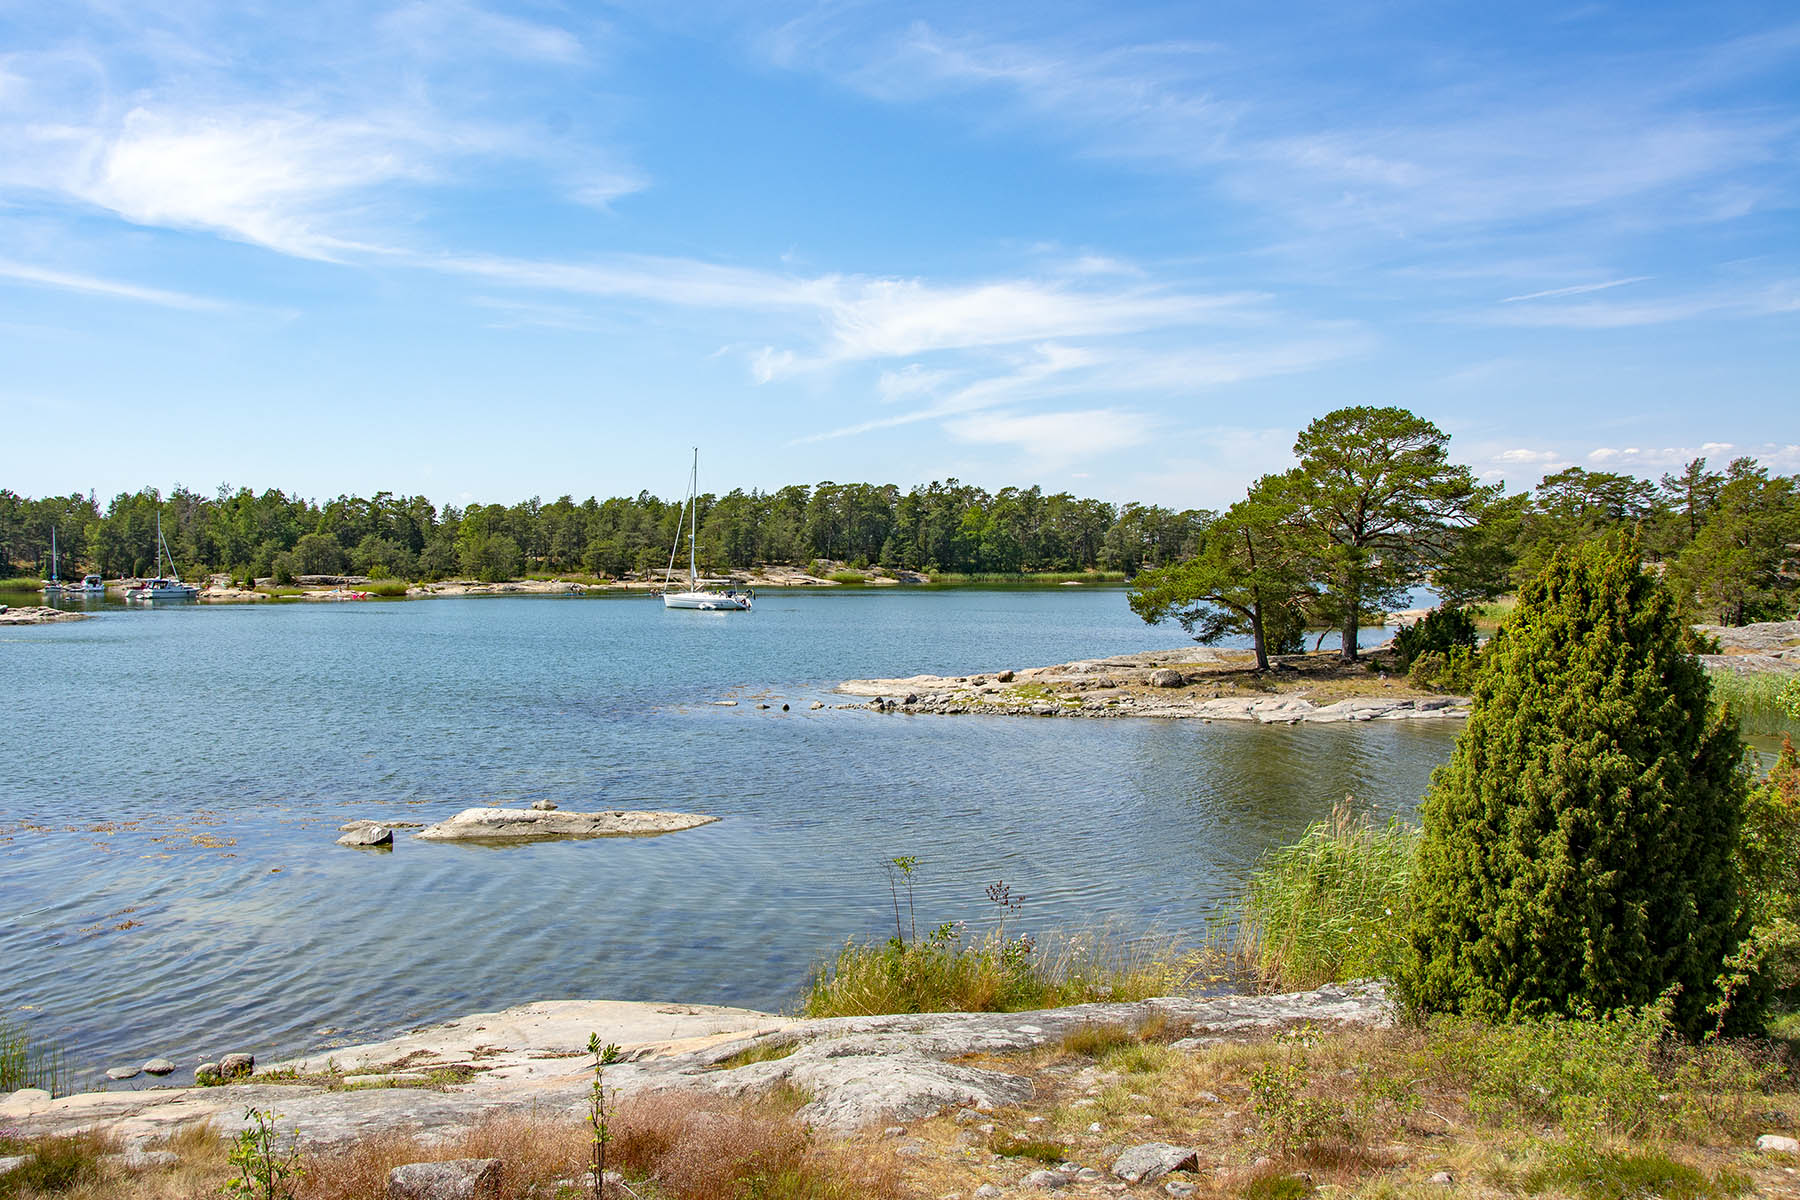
<point x="1256" y="634"/>
<point x="1351" y="615"/>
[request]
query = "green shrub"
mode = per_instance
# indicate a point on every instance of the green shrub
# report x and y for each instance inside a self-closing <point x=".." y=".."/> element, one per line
<point x="1578" y="847"/>
<point x="1452" y="672"/>
<point x="1441" y="631"/>
<point x="1331" y="906"/>
<point x="1631" y="1175"/>
<point x="1039" y="1149"/>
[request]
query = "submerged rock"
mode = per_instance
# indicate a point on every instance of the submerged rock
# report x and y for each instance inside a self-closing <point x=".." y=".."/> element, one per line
<point x="524" y="824"/>
<point x="368" y="835"/>
<point x="159" y="1066"/>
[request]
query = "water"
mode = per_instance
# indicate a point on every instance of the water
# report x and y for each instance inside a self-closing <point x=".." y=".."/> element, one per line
<point x="168" y="882"/>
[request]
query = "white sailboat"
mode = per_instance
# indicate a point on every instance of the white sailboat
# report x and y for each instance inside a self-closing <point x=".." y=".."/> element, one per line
<point x="167" y="587"/>
<point x="696" y="597"/>
<point x="53" y="587"/>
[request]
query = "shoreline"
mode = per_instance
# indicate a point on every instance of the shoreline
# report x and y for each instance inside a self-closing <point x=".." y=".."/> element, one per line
<point x="1197" y="683"/>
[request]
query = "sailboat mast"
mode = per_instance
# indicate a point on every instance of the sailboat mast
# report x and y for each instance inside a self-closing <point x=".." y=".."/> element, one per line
<point x="694" y="526"/>
<point x="53" y="575"/>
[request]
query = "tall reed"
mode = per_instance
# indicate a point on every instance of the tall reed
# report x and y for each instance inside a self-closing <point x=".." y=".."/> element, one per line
<point x="27" y="1062"/>
<point x="1331" y="906"/>
<point x="1765" y="704"/>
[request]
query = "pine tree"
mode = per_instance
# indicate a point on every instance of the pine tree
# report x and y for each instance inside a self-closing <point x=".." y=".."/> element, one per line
<point x="1578" y="847"/>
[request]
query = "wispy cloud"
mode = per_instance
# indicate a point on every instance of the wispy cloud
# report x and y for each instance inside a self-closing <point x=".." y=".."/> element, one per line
<point x="1053" y="439"/>
<point x="1575" y="290"/>
<point x="94" y="286"/>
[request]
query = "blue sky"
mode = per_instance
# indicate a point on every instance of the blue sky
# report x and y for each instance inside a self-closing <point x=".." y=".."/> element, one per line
<point x="485" y="251"/>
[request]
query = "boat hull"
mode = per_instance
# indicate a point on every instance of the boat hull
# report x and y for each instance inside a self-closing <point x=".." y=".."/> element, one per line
<point x="706" y="601"/>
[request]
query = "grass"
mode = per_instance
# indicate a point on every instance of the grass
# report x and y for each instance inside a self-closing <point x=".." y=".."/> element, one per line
<point x="28" y="1062"/>
<point x="761" y="1052"/>
<point x="851" y="578"/>
<point x="55" y="1165"/>
<point x="385" y="587"/>
<point x="1331" y="906"/>
<point x="1038" y="1149"/>
<point x="994" y="974"/>
<point x="1766" y="705"/>
<point x="1632" y="1175"/>
<point x="281" y="590"/>
<point x="21" y="583"/>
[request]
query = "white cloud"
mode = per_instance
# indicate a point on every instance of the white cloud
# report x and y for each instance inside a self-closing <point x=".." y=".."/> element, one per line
<point x="1054" y="438"/>
<point x="1575" y="289"/>
<point x="449" y="28"/>
<point x="95" y="286"/>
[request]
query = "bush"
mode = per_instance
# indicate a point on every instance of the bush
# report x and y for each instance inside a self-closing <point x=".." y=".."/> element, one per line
<point x="1768" y="858"/>
<point x="282" y="569"/>
<point x="1578" y="847"/>
<point x="1331" y="906"/>
<point x="1452" y="672"/>
<point x="1441" y="631"/>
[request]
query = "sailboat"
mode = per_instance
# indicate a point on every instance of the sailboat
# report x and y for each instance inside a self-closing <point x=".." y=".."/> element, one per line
<point x="54" y="586"/>
<point x="695" y="597"/>
<point x="167" y="587"/>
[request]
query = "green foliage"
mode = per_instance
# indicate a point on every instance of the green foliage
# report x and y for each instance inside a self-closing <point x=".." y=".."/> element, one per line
<point x="600" y="1109"/>
<point x="1631" y="1175"/>
<point x="1379" y="500"/>
<point x="21" y="583"/>
<point x="1762" y="703"/>
<point x="1454" y="672"/>
<point x="1289" y="1117"/>
<point x="1441" y="630"/>
<point x="1768" y="857"/>
<point x="265" y="1170"/>
<point x="1276" y="1187"/>
<point x="1249" y="576"/>
<point x="1039" y="1149"/>
<point x="54" y="1164"/>
<point x="1737" y="568"/>
<point x="1330" y="907"/>
<point x="283" y="570"/>
<point x="1578" y="847"/>
<point x="28" y="1062"/>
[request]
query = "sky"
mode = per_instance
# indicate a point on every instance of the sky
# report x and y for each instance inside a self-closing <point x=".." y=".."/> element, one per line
<point x="482" y="251"/>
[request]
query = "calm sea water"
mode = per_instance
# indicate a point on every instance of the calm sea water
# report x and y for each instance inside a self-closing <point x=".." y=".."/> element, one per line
<point x="173" y="780"/>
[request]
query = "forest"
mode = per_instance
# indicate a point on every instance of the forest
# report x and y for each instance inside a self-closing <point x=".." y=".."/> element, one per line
<point x="1727" y="539"/>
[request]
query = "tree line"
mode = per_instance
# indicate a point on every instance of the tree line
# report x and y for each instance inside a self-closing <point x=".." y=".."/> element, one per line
<point x="938" y="527"/>
<point x="1375" y="507"/>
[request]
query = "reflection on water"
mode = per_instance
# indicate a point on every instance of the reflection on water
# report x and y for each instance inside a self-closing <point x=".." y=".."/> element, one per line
<point x="171" y="885"/>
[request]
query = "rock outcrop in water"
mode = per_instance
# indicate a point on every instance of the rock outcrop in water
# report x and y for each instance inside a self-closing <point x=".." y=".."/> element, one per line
<point x="39" y="614"/>
<point x="527" y="824"/>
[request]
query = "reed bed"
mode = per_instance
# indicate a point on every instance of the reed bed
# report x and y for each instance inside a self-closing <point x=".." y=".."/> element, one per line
<point x="26" y="1062"/>
<point x="1330" y="906"/>
<point x="1766" y="705"/>
<point x="942" y="973"/>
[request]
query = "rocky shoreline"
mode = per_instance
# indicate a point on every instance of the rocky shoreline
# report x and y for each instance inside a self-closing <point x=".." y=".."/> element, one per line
<point x="857" y="1071"/>
<point x="1195" y="683"/>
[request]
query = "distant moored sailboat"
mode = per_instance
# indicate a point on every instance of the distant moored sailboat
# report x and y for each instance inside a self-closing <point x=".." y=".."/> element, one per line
<point x="695" y="597"/>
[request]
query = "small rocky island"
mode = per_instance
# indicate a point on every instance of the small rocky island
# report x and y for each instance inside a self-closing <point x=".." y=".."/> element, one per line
<point x="535" y="824"/>
<point x="39" y="614"/>
<point x="1191" y="682"/>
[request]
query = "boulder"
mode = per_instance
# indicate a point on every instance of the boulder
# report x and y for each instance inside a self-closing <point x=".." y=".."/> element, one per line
<point x="207" y="1075"/>
<point x="1152" y="1160"/>
<point x="123" y="1072"/>
<point x="1164" y="677"/>
<point x="544" y="805"/>
<point x="368" y="835"/>
<point x="11" y="1162"/>
<point x="24" y="1102"/>
<point x="1777" y="1143"/>
<point x="1003" y="677"/>
<point x="233" y="1066"/>
<point x="524" y="824"/>
<point x="457" y="1179"/>
<point x="1047" y="1180"/>
<point x="159" y="1066"/>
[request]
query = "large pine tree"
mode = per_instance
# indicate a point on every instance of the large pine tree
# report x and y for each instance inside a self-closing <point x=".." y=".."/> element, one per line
<point x="1578" y="846"/>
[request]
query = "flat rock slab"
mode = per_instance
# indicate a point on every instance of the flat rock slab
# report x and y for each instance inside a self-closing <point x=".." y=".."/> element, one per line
<point x="1152" y="1160"/>
<point x="40" y="614"/>
<point x="532" y="1059"/>
<point x="455" y="1179"/>
<point x="527" y="824"/>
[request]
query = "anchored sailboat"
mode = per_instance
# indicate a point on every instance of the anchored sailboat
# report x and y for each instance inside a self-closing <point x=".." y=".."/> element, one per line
<point x="731" y="600"/>
<point x="53" y="586"/>
<point x="163" y="588"/>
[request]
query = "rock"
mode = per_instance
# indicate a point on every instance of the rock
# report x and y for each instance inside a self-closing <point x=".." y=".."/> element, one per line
<point x="123" y="1072"/>
<point x="523" y="824"/>
<point x="457" y="1179"/>
<point x="137" y="1158"/>
<point x="24" y="1102"/>
<point x="726" y="703"/>
<point x="817" y="704"/>
<point x="894" y="1131"/>
<point x="1178" y="1187"/>
<point x="1442" y="1179"/>
<point x="544" y="805"/>
<point x="1163" y="677"/>
<point x="1003" y="677"/>
<point x="368" y="835"/>
<point x="1777" y="1143"/>
<point x="1095" y="1127"/>
<point x="1150" y="1161"/>
<point x="234" y="1066"/>
<point x="207" y="1075"/>
<point x="1047" y="1180"/>
<point x="159" y="1066"/>
<point x="987" y="1191"/>
<point x="911" y="698"/>
<point x="11" y="1162"/>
